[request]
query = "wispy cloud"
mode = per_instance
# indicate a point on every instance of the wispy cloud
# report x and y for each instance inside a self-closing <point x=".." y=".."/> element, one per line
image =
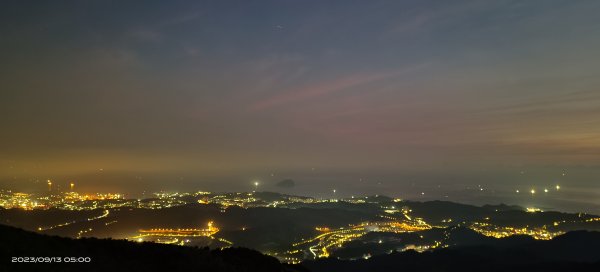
<point x="326" y="88"/>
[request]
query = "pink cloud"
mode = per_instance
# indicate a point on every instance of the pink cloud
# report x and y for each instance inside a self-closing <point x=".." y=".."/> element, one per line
<point x="319" y="90"/>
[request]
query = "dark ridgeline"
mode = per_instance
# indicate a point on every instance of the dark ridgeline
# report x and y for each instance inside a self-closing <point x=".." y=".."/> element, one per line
<point x="573" y="251"/>
<point x="269" y="229"/>
<point x="121" y="255"/>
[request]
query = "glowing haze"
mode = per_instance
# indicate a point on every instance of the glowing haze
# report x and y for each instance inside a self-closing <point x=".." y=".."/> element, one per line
<point x="372" y="95"/>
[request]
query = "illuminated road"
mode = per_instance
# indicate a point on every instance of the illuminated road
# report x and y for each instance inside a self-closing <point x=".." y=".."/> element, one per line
<point x="103" y="215"/>
<point x="321" y="245"/>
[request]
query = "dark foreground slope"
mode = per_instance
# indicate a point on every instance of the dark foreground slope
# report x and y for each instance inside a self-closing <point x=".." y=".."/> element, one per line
<point x="119" y="255"/>
<point x="574" y="251"/>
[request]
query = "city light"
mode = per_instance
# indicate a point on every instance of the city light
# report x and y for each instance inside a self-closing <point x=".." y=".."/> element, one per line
<point x="395" y="218"/>
<point x="226" y="129"/>
<point x="323" y="244"/>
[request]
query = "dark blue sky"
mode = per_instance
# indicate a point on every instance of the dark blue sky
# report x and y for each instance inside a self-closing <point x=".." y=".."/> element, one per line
<point x="440" y="91"/>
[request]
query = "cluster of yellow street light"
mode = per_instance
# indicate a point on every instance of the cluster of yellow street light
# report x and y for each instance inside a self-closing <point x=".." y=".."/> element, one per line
<point x="505" y="231"/>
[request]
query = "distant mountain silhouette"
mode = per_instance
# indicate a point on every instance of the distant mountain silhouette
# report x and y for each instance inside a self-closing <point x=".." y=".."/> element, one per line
<point x="286" y="183"/>
<point x="121" y="255"/>
<point x="573" y="251"/>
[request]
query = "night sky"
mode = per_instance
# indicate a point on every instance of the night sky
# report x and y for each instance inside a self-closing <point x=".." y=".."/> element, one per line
<point x="393" y="97"/>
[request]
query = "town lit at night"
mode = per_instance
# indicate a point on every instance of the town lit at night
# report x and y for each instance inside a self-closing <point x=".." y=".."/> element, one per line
<point x="300" y="136"/>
